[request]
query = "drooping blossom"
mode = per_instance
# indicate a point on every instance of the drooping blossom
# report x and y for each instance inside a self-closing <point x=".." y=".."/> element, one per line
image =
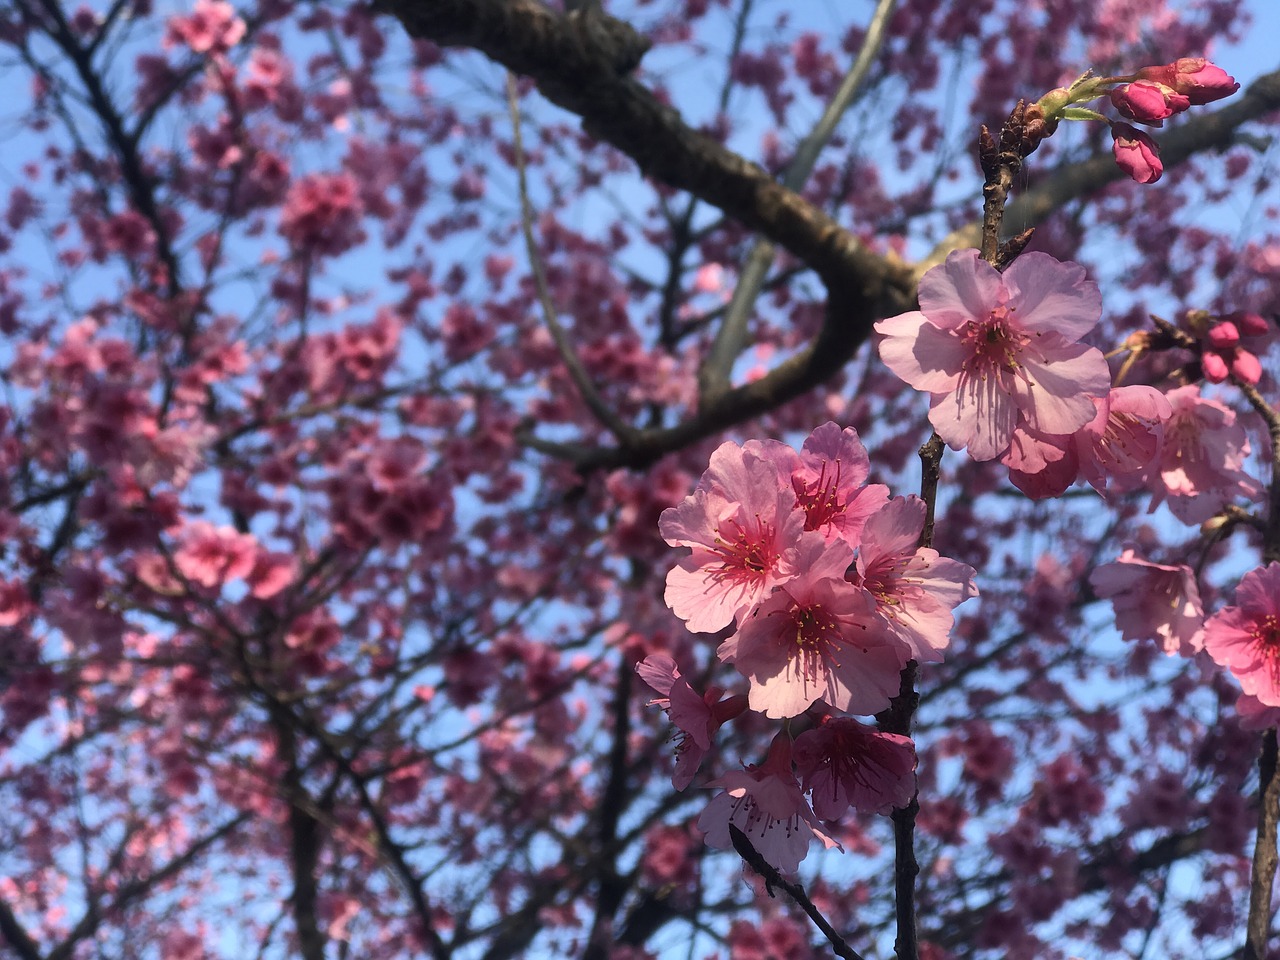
<point x="1194" y="77"/>
<point x="845" y="764"/>
<point x="744" y="533"/>
<point x="698" y="717"/>
<point x="998" y="349"/>
<point x="1136" y="153"/>
<point x="1153" y="601"/>
<point x="829" y="476"/>
<point x="1245" y="637"/>
<point x="814" y="639"/>
<point x="1116" y="447"/>
<point x="1204" y="449"/>
<point x="914" y="588"/>
<point x="765" y="802"/>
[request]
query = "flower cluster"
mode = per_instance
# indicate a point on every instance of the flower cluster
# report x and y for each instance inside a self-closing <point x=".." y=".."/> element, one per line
<point x="1149" y="96"/>
<point x="827" y="594"/>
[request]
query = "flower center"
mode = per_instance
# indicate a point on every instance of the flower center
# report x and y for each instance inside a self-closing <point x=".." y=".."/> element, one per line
<point x="820" y="500"/>
<point x="992" y="344"/>
<point x="745" y="553"/>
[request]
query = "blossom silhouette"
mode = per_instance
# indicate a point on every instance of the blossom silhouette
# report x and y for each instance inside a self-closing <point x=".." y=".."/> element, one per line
<point x="996" y="350"/>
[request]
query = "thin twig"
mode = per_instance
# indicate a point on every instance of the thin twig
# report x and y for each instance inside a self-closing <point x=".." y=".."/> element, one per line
<point x="731" y="337"/>
<point x="577" y="372"/>
<point x="772" y="878"/>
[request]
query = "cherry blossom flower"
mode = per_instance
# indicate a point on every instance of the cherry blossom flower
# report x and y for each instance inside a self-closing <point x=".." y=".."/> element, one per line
<point x="1194" y="77"/>
<point x="1146" y="101"/>
<point x="1117" y="446"/>
<point x="849" y="764"/>
<point x="212" y="27"/>
<point x="1224" y="355"/>
<point x="1245" y="637"/>
<point x="1153" y="601"/>
<point x="1199" y="466"/>
<point x="1136" y="153"/>
<point x="697" y="716"/>
<point x="744" y="533"/>
<point x="810" y="640"/>
<point x="210" y="555"/>
<point x="829" y="477"/>
<point x="998" y="349"/>
<point x="914" y="588"/>
<point x="765" y="802"/>
<point x="322" y="214"/>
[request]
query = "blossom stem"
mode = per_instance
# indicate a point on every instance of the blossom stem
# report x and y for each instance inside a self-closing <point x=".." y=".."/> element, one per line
<point x="1258" y="929"/>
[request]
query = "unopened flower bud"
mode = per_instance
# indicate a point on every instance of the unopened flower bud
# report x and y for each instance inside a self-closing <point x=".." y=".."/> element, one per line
<point x="1193" y="77"/>
<point x="1136" y="153"/>
<point x="1223" y="335"/>
<point x="1215" y="368"/>
<point x="1146" y="101"/>
<point x="1249" y="324"/>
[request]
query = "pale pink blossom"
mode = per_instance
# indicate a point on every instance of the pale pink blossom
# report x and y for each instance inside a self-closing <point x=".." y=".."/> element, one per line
<point x="810" y="641"/>
<point x="1245" y="637"/>
<point x="845" y="764"/>
<point x="1200" y="461"/>
<point x="210" y="555"/>
<point x="996" y="349"/>
<point x="765" y="802"/>
<point x="1153" y="601"/>
<point x="744" y="533"/>
<point x="914" y="588"/>
<point x="697" y="716"/>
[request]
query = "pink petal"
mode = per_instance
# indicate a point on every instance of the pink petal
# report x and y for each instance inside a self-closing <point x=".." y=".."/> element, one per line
<point x="1051" y="296"/>
<point x="965" y="287"/>
<point x="921" y="354"/>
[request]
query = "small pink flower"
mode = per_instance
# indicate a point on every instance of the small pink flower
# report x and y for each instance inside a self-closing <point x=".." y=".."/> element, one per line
<point x="998" y="349"/>
<point x="848" y="764"/>
<point x="830" y="480"/>
<point x="1245" y="637"/>
<point x="744" y="532"/>
<point x="1136" y="153"/>
<point x="1146" y="101"/>
<point x="767" y="805"/>
<point x="210" y="555"/>
<point x="810" y="641"/>
<point x="914" y="588"/>
<point x="1194" y="77"/>
<point x="1201" y="456"/>
<point x="212" y="27"/>
<point x="698" y="717"/>
<point x="1153" y="601"/>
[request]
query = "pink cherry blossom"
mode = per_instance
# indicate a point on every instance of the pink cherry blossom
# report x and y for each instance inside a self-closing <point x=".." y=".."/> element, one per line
<point x="998" y="349"/>
<point x="744" y="532"/>
<point x="1201" y="459"/>
<point x="210" y="555"/>
<point x="914" y="588"/>
<point x="810" y="640"/>
<point x="1245" y="637"/>
<point x="1194" y="77"/>
<point x="1153" y="601"/>
<point x="698" y="717"/>
<point x="1136" y="153"/>
<point x="829" y="476"/>
<point x="1116" y="447"/>
<point x="767" y="805"/>
<point x="212" y="27"/>
<point x="1146" y="101"/>
<point x="848" y="764"/>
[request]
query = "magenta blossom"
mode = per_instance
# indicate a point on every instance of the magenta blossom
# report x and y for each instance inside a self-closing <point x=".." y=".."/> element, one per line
<point x="1146" y="101"/>
<point x="914" y="589"/>
<point x="698" y="717"/>
<point x="1136" y="153"/>
<point x="998" y="349"/>
<point x="848" y="764"/>
<point x="767" y="805"/>
<point x="1153" y="602"/>
<point x="744" y="532"/>
<point x="1195" y="78"/>
<point x="810" y="641"/>
<point x="1245" y="637"/>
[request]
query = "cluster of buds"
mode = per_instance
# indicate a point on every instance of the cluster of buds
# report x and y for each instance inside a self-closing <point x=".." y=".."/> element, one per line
<point x="1148" y="97"/>
<point x="1221" y="352"/>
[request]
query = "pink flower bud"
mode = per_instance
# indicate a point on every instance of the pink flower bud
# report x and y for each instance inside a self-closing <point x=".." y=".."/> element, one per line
<point x="1195" y="77"/>
<point x="1246" y="367"/>
<point x="1249" y="324"/>
<point x="1148" y="102"/>
<point x="1136" y="153"/>
<point x="1223" y="335"/>
<point x="1215" y="368"/>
